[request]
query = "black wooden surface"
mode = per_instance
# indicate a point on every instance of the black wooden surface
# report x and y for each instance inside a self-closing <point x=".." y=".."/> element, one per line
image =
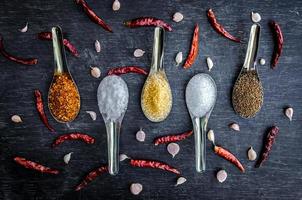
<point x="279" y="178"/>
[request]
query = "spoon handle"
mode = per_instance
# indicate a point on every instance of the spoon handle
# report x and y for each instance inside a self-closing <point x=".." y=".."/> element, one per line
<point x="158" y="50"/>
<point x="113" y="136"/>
<point x="200" y="126"/>
<point x="58" y="50"/>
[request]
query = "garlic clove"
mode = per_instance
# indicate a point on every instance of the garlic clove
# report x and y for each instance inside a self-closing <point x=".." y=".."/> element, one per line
<point x="92" y="115"/>
<point x="173" y="149"/>
<point x="138" y="53"/>
<point x="24" y="29"/>
<point x="289" y="112"/>
<point x="178" y="17"/>
<point x="234" y="126"/>
<point x="123" y="157"/>
<point x="255" y="17"/>
<point x="251" y="154"/>
<point x="178" y="58"/>
<point x="210" y="63"/>
<point x="262" y="61"/>
<point x="95" y="72"/>
<point x="180" y="181"/>
<point x="221" y="176"/>
<point x="97" y="46"/>
<point x="140" y="135"/>
<point x="16" y="119"/>
<point x="67" y="157"/>
<point x="136" y="188"/>
<point x="116" y="5"/>
<point x="211" y="136"/>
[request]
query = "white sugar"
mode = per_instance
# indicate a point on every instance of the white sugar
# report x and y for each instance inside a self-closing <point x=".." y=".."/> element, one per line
<point x="112" y="97"/>
<point x="200" y="94"/>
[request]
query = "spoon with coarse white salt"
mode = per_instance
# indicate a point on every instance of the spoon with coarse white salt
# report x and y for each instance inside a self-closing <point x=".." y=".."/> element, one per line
<point x="201" y="95"/>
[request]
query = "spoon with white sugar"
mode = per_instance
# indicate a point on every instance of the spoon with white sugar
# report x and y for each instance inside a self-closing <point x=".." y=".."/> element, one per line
<point x="201" y="95"/>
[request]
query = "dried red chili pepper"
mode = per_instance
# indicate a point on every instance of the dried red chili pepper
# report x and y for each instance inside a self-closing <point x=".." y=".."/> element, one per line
<point x="24" y="61"/>
<point x="147" y="21"/>
<point x="219" y="28"/>
<point x="91" y="176"/>
<point x="67" y="43"/>
<point x="194" y="48"/>
<point x="172" y="138"/>
<point x="153" y="164"/>
<point x="34" y="166"/>
<point x="91" y="14"/>
<point x="40" y="109"/>
<point x="270" y="139"/>
<point x="228" y="156"/>
<point x="279" y="43"/>
<point x="127" y="69"/>
<point x="74" y="136"/>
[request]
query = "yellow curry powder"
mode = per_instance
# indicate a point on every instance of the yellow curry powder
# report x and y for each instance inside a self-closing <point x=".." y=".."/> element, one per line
<point x="156" y="99"/>
<point x="63" y="98"/>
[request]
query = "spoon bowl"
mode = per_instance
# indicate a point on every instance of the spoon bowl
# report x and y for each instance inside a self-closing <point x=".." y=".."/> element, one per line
<point x="201" y="93"/>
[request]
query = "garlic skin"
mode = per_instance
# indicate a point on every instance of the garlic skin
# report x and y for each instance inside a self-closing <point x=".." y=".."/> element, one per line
<point x="211" y="136"/>
<point x="221" y="176"/>
<point x="178" y="17"/>
<point x="136" y="188"/>
<point x="262" y="61"/>
<point x="289" y="112"/>
<point x="16" y="119"/>
<point x="256" y="17"/>
<point x="180" y="181"/>
<point x="123" y="157"/>
<point x="234" y="126"/>
<point x="251" y="154"/>
<point x="173" y="149"/>
<point x="24" y="29"/>
<point x="140" y="135"/>
<point x="138" y="53"/>
<point x="116" y="5"/>
<point x="97" y="46"/>
<point x="92" y="115"/>
<point x="178" y="58"/>
<point x="95" y="72"/>
<point x="67" y="158"/>
<point x="210" y="63"/>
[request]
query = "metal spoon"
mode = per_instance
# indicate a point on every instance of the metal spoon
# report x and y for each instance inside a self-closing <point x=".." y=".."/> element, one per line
<point x="201" y="93"/>
<point x="113" y="98"/>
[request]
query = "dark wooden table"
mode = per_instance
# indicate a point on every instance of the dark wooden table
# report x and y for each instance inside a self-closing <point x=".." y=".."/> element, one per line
<point x="279" y="178"/>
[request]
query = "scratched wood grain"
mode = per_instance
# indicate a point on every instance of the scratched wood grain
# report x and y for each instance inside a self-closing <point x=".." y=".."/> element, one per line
<point x="279" y="178"/>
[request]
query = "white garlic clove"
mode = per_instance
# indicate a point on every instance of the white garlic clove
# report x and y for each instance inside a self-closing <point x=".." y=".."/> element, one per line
<point x="173" y="149"/>
<point x="178" y="58"/>
<point x="262" y="61"/>
<point x="138" y="53"/>
<point x="136" y="188"/>
<point x="92" y="115"/>
<point x="234" y="126"/>
<point x="255" y="17"/>
<point x="123" y="157"/>
<point x="97" y="46"/>
<point x="16" y="119"/>
<point x="24" y="29"/>
<point x="289" y="112"/>
<point x="251" y="154"/>
<point x="180" y="181"/>
<point x="140" y="135"/>
<point x="95" y="72"/>
<point x="210" y="63"/>
<point x="221" y="176"/>
<point x="116" y="5"/>
<point x="67" y="157"/>
<point x="178" y="17"/>
<point x="211" y="136"/>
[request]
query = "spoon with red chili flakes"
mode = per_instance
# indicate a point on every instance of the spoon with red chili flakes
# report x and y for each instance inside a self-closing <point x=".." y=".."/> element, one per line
<point x="24" y="61"/>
